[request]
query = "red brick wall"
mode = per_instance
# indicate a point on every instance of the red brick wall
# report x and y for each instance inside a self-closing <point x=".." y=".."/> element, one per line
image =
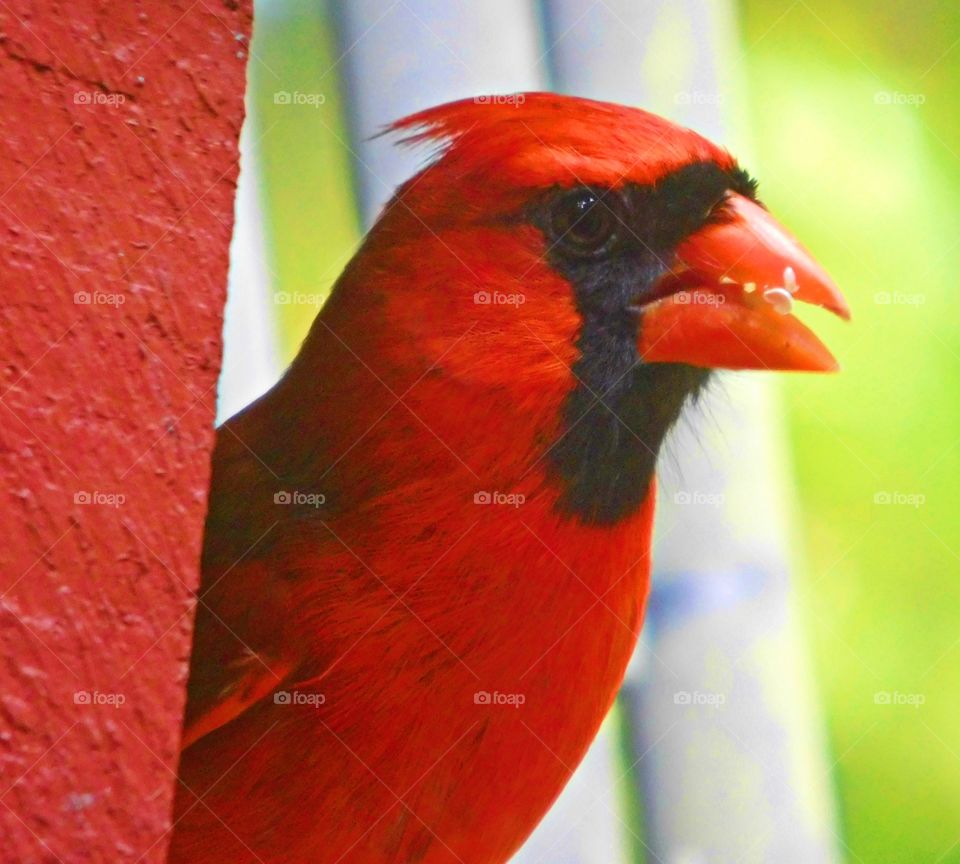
<point x="118" y="165"/>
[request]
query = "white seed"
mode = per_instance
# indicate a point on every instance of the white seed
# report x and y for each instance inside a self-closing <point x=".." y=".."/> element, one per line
<point x="781" y="300"/>
<point x="790" y="280"/>
<point x="749" y="287"/>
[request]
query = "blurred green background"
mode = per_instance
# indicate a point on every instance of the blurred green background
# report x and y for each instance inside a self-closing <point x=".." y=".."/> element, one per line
<point x="877" y="447"/>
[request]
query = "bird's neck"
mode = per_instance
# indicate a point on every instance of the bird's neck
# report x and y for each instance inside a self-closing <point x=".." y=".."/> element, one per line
<point x="588" y="444"/>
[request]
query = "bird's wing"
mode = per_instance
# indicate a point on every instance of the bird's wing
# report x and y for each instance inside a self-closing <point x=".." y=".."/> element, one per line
<point x="253" y="588"/>
<point x="238" y="649"/>
<point x="247" y="681"/>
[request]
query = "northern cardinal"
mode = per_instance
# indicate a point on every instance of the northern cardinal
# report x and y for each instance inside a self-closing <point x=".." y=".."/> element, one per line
<point x="427" y="549"/>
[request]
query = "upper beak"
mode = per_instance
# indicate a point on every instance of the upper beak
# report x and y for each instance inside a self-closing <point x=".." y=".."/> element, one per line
<point x="728" y="303"/>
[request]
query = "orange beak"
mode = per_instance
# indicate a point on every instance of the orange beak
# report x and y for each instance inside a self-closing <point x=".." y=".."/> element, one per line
<point x="728" y="302"/>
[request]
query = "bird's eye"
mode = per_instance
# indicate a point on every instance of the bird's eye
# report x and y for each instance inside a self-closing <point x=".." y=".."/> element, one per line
<point x="583" y="224"/>
<point x="719" y="211"/>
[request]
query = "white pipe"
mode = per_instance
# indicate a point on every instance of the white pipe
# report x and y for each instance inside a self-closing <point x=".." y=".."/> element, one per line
<point x="729" y="743"/>
<point x="400" y="58"/>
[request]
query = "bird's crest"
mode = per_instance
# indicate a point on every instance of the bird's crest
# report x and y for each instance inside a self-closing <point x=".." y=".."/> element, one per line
<point x="535" y="139"/>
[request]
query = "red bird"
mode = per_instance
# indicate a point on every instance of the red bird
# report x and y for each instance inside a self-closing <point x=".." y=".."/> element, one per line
<point x="427" y="550"/>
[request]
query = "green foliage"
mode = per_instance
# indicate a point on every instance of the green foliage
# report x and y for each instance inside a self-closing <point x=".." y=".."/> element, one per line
<point x="305" y="184"/>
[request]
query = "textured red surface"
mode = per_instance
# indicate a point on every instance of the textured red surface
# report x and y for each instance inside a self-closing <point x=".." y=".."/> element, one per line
<point x="118" y="162"/>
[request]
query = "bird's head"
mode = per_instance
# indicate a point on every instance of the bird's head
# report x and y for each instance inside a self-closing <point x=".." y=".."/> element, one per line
<point x="594" y="262"/>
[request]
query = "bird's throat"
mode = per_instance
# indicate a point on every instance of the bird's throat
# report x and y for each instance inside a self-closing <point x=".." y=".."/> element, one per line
<point x="615" y="420"/>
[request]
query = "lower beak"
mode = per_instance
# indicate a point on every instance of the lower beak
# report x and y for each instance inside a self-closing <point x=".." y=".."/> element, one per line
<point x="728" y="303"/>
